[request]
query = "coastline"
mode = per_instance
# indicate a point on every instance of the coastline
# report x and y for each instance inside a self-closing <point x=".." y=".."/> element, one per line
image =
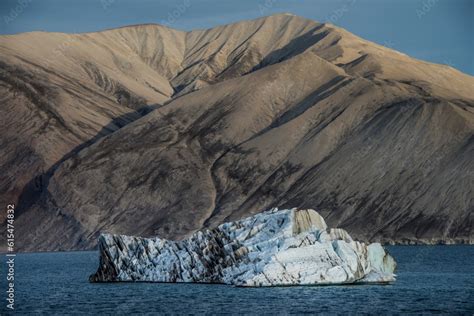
<point x="407" y="242"/>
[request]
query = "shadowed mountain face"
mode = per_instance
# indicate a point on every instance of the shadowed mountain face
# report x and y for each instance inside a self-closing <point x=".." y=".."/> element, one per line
<point x="145" y="130"/>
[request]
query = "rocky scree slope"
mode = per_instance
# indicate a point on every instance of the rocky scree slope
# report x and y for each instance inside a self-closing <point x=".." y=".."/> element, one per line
<point x="278" y="111"/>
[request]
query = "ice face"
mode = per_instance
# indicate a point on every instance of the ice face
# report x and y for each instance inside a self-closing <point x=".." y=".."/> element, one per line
<point x="277" y="247"/>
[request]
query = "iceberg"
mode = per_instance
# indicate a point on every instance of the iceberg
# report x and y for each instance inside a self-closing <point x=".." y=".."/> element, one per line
<point x="273" y="248"/>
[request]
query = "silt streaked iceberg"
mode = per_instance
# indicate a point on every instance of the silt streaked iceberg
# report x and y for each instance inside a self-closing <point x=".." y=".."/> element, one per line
<point x="273" y="248"/>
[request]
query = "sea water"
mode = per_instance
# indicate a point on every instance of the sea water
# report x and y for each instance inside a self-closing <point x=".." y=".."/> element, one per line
<point x="431" y="279"/>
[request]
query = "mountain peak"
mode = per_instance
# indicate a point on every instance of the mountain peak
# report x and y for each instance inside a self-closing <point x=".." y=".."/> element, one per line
<point x="284" y="14"/>
<point x="279" y="110"/>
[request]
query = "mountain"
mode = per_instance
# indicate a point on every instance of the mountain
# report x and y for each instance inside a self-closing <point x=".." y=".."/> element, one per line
<point x="145" y="130"/>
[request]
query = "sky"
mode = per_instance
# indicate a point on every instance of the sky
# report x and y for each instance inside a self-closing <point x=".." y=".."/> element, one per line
<point x="439" y="31"/>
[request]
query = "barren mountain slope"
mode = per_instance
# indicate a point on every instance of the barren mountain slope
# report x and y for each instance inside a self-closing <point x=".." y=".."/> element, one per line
<point x="61" y="91"/>
<point x="278" y="111"/>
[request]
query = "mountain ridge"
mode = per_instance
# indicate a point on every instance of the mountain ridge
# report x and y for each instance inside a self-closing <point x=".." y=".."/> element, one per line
<point x="238" y="118"/>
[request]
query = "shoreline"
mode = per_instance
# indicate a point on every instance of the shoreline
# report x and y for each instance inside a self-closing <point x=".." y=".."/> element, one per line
<point x="462" y="242"/>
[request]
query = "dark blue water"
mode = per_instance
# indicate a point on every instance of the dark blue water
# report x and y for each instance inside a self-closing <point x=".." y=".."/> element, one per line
<point x="431" y="279"/>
